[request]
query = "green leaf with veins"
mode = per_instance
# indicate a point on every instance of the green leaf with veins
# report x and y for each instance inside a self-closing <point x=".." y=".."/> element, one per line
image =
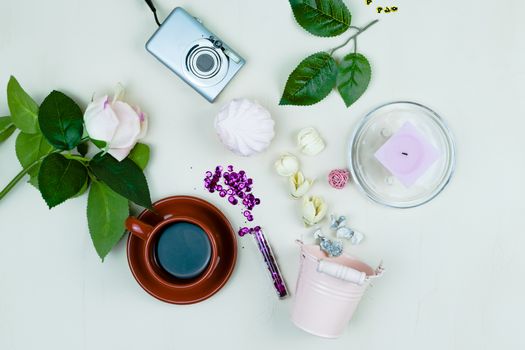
<point x="31" y="148"/>
<point x="312" y="80"/>
<point x="353" y="77"/>
<point x="61" y="121"/>
<point x="24" y="110"/>
<point x="106" y="212"/>
<point x="323" y="18"/>
<point x="125" y="177"/>
<point x="60" y="179"/>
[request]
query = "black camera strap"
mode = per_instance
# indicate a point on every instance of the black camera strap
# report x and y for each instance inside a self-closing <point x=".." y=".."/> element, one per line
<point x="154" y="10"/>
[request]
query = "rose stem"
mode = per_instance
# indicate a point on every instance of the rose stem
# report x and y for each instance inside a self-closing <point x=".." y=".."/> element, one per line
<point x="17" y="178"/>
<point x="21" y="174"/>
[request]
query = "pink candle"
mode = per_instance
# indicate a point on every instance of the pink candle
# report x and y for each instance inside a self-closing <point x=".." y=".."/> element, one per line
<point x="407" y="154"/>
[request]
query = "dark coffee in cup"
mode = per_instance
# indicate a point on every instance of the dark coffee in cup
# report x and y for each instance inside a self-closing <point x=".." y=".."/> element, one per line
<point x="183" y="250"/>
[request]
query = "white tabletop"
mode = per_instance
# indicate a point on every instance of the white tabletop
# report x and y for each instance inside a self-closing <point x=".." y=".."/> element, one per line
<point x="455" y="266"/>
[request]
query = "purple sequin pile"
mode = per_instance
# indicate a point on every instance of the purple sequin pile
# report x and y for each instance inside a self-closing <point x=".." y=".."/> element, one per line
<point x="237" y="188"/>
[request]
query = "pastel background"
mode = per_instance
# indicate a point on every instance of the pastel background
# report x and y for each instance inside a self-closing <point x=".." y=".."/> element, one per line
<point x="455" y="266"/>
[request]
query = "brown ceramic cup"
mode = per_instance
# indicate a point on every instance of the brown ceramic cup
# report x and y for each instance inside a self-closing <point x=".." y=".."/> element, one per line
<point x="150" y="234"/>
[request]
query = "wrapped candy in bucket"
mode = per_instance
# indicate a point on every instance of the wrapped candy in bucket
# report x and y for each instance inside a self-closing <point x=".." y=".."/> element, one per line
<point x="328" y="291"/>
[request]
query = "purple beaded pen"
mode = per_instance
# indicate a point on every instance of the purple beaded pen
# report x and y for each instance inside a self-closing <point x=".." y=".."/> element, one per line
<point x="271" y="264"/>
<point x="238" y="187"/>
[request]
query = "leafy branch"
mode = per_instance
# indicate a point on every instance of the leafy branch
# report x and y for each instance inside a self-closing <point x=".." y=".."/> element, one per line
<point x="52" y="150"/>
<point x="353" y="37"/>
<point x="318" y="74"/>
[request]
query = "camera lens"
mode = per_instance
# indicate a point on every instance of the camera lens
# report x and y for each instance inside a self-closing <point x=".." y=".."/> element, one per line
<point x="205" y="62"/>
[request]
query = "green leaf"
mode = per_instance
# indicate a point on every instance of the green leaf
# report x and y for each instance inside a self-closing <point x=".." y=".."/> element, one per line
<point x="311" y="81"/>
<point x="60" y="178"/>
<point x="353" y="77"/>
<point x="24" y="110"/>
<point x="106" y="212"/>
<point x="6" y="128"/>
<point x="125" y="178"/>
<point x="140" y="155"/>
<point x="60" y="120"/>
<point x="29" y="149"/>
<point x="322" y="17"/>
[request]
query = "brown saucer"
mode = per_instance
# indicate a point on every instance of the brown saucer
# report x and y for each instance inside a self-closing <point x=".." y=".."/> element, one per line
<point x="201" y="212"/>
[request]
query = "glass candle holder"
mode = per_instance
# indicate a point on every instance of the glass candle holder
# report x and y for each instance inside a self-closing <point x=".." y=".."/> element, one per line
<point x="378" y="177"/>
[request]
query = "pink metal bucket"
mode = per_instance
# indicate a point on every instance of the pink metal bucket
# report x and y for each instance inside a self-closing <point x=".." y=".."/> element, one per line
<point x="328" y="291"/>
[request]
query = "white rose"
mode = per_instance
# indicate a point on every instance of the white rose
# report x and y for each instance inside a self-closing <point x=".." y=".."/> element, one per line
<point x="287" y="165"/>
<point x="314" y="210"/>
<point x="310" y="142"/>
<point x="299" y="185"/>
<point x="116" y="123"/>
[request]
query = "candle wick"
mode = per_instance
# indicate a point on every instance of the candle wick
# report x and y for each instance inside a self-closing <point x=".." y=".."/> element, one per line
<point x="404" y="153"/>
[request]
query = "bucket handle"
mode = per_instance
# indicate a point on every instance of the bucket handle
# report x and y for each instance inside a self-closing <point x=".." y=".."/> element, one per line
<point x="345" y="273"/>
<point x="341" y="272"/>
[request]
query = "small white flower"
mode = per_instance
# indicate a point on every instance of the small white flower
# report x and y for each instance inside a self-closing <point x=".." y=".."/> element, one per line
<point x="287" y="165"/>
<point x="310" y="142"/>
<point x="314" y="210"/>
<point x="299" y="185"/>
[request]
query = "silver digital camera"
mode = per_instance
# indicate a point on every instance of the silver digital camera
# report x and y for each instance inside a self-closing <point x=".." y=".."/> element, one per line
<point x="194" y="53"/>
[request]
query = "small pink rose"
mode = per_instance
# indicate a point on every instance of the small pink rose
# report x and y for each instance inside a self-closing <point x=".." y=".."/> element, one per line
<point x="338" y="178"/>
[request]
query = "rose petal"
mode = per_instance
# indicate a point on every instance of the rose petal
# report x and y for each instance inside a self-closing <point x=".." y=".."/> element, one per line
<point x="129" y="126"/>
<point x="100" y="120"/>
<point x="120" y="153"/>
<point x="143" y="122"/>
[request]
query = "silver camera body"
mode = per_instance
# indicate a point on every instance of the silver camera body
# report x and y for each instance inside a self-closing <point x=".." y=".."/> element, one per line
<point x="194" y="53"/>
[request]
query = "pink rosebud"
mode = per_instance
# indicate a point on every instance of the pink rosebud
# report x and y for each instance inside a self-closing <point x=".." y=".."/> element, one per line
<point x="338" y="178"/>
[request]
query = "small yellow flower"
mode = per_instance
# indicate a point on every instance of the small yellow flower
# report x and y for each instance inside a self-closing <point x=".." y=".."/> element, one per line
<point x="314" y="210"/>
<point x="299" y="185"/>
